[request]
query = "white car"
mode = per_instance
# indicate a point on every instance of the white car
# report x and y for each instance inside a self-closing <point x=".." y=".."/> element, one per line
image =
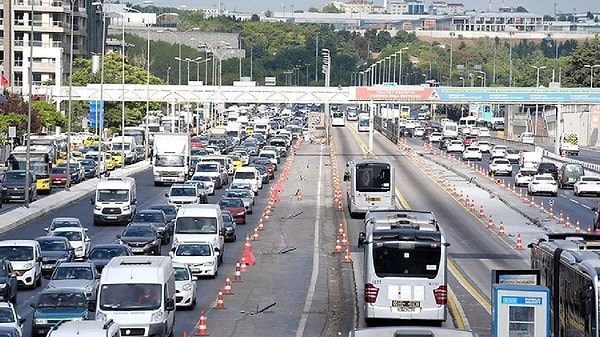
<point x="484" y="145"/>
<point x="527" y="138"/>
<point x="241" y="185"/>
<point x="513" y="155"/>
<point x="472" y="153"/>
<point x="474" y="131"/>
<point x="209" y="184"/>
<point x="484" y="132"/>
<point x="419" y="132"/>
<point x="10" y="318"/>
<point x="455" y="146"/>
<point x="499" y="151"/>
<point x="185" y="286"/>
<point x="435" y="137"/>
<point x="200" y="256"/>
<point x="587" y="185"/>
<point x="500" y="166"/>
<point x="524" y="176"/>
<point x="542" y="183"/>
<point x="63" y="222"/>
<point x="78" y="237"/>
<point x="244" y="155"/>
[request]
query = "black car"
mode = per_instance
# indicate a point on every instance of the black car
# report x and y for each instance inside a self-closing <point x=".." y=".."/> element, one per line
<point x="55" y="249"/>
<point x="170" y="212"/>
<point x="140" y="152"/>
<point x="264" y="173"/>
<point x="8" y="282"/>
<point x="13" y="186"/>
<point x="229" y="224"/>
<point x="142" y="239"/>
<point x="546" y="167"/>
<point x="90" y="167"/>
<point x="102" y="253"/>
<point x="156" y="219"/>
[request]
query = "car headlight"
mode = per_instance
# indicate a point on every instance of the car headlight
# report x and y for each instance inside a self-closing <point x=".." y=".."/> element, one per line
<point x="89" y="288"/>
<point x="2" y="285"/>
<point x="97" y="208"/>
<point x="187" y="287"/>
<point x="126" y="208"/>
<point x="100" y="316"/>
<point x="41" y="321"/>
<point x="156" y="317"/>
<point x="209" y="264"/>
<point x="241" y="213"/>
<point x="79" y="249"/>
<point x="28" y="266"/>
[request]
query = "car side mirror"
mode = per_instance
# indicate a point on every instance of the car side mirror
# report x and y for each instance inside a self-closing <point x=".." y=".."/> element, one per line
<point x="46" y="229"/>
<point x="169" y="304"/>
<point x="92" y="200"/>
<point x="166" y="195"/>
<point x="32" y="305"/>
<point x="22" y="320"/>
<point x="118" y="236"/>
<point x="91" y="305"/>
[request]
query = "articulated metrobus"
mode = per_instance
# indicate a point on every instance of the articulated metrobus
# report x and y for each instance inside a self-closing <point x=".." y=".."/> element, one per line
<point x="569" y="266"/>
<point x="40" y="163"/>
<point x="371" y="186"/>
<point x="364" y="122"/>
<point x="338" y="118"/>
<point x="405" y="263"/>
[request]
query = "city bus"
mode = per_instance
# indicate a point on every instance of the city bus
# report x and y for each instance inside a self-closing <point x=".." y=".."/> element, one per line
<point x="352" y="113"/>
<point x="405" y="267"/>
<point x="405" y="111"/>
<point x="364" y="122"/>
<point x="40" y="163"/>
<point x="371" y="186"/>
<point x="337" y="118"/>
<point x="569" y="265"/>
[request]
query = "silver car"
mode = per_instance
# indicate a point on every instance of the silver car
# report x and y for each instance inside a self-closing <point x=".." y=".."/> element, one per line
<point x="246" y="195"/>
<point x="79" y="275"/>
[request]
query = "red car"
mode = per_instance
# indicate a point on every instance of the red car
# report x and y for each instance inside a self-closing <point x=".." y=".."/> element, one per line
<point x="236" y="207"/>
<point x="469" y="139"/>
<point x="58" y="176"/>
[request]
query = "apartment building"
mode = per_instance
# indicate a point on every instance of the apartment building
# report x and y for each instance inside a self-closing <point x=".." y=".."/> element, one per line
<point x="45" y="29"/>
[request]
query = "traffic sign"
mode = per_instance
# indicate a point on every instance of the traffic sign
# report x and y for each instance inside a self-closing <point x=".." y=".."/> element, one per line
<point x="551" y="202"/>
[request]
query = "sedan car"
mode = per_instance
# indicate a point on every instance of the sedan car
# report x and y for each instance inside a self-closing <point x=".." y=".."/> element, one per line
<point x="500" y="166"/>
<point x="55" y="305"/>
<point x="240" y="185"/>
<point x="185" y="286"/>
<point x="156" y="219"/>
<point x="246" y="196"/>
<point x="55" y="249"/>
<point x="63" y="222"/>
<point x="141" y="239"/>
<point x="201" y="257"/>
<point x="79" y="275"/>
<point x="524" y="176"/>
<point x="209" y="184"/>
<point x="512" y="155"/>
<point x="101" y="254"/>
<point x="546" y="167"/>
<point x="542" y="183"/>
<point x="90" y="167"/>
<point x="267" y="163"/>
<point x="9" y="317"/>
<point x="201" y="189"/>
<point x="78" y="238"/>
<point x="58" y="176"/>
<point x="169" y="210"/>
<point x="8" y="282"/>
<point x="484" y="146"/>
<point x="236" y="207"/>
<point x="455" y="146"/>
<point x="230" y="226"/>
<point x="587" y="185"/>
<point x="499" y="151"/>
<point x="484" y="132"/>
<point x="264" y="173"/>
<point x="472" y="153"/>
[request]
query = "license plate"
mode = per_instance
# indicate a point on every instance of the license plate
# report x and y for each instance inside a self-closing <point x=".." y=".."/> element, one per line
<point x="137" y="250"/>
<point x="111" y="217"/>
<point x="47" y="266"/>
<point x="373" y="199"/>
<point x="406" y="305"/>
<point x="15" y="197"/>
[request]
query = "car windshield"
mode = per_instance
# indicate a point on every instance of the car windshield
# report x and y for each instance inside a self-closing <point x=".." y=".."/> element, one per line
<point x="196" y="225"/>
<point x="201" y="178"/>
<point x="138" y="231"/>
<point x="17" y="253"/>
<point x="167" y="209"/>
<point x="148" y="217"/>
<point x="53" y="245"/>
<point x="105" y="253"/>
<point x="244" y="175"/>
<point x="544" y="178"/>
<point x="130" y="297"/>
<point x="112" y="195"/>
<point x="240" y="186"/>
<point x="88" y="162"/>
<point x="73" y="273"/>
<point x="61" y="299"/>
<point x="70" y="235"/>
<point x="14" y="176"/>
<point x="227" y="217"/>
<point x="181" y="274"/>
<point x="238" y="194"/>
<point x="7" y="315"/>
<point x="231" y="203"/>
<point x="193" y="250"/>
<point x="65" y="223"/>
<point x="204" y="167"/>
<point x="59" y="170"/>
<point x="183" y="192"/>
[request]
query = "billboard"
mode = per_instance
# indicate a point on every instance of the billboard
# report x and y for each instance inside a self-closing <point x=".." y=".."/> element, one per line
<point x="96" y="114"/>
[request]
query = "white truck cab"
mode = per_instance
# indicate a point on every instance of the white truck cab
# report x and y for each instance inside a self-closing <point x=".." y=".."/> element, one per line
<point x="115" y="201"/>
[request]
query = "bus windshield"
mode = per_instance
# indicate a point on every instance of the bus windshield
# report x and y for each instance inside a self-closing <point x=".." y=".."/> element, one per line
<point x="406" y="259"/>
<point x="373" y="178"/>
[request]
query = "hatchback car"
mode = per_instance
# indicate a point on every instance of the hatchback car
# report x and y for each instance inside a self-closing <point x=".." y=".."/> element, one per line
<point x="55" y="249"/>
<point x="236" y="207"/>
<point x="229" y="225"/>
<point x="63" y="222"/>
<point x="169" y="210"/>
<point x="185" y="286"/>
<point x="524" y="176"/>
<point x="472" y="153"/>
<point x="78" y="237"/>
<point x="484" y="146"/>
<point x="455" y="146"/>
<point x="155" y="218"/>
<point x="79" y="275"/>
<point x="90" y="167"/>
<point x="246" y="196"/>
<point x="587" y="185"/>
<point x="141" y="239"/>
<point x="101" y="254"/>
<point x="542" y="183"/>
<point x="10" y="318"/>
<point x="512" y="155"/>
<point x="209" y="184"/>
<point x="499" y="151"/>
<point x="500" y="166"/>
<point x="8" y="282"/>
<point x="201" y="257"/>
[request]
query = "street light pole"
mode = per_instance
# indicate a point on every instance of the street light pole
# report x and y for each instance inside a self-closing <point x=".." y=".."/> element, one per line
<point x="592" y="73"/>
<point x="29" y="111"/>
<point x="452" y="34"/>
<point x="537" y="85"/>
<point x="68" y="168"/>
<point x="400" y="65"/>
<point x="510" y="65"/>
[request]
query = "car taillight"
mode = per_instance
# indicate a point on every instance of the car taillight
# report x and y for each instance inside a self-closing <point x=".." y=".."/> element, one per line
<point x="441" y="295"/>
<point x="371" y="293"/>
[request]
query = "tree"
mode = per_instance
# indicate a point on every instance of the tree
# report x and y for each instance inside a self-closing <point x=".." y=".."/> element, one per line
<point x="314" y="10"/>
<point x="13" y="112"/>
<point x="330" y="8"/>
<point x="49" y="117"/>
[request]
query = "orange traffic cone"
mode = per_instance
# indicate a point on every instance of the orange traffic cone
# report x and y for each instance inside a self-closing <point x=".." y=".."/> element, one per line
<point x="227" y="289"/>
<point x="299" y="196"/>
<point x="201" y="329"/>
<point x="248" y="256"/>
<point x="519" y="242"/>
<point x="501" y="229"/>
<point x="561" y="220"/>
<point x="220" y="300"/>
<point x="481" y="212"/>
<point x="237" y="276"/>
<point x="568" y="222"/>
<point x="243" y="265"/>
<point x="344" y="240"/>
<point x="551" y="213"/>
<point x="338" y="246"/>
<point x="532" y="203"/>
<point x="542" y="207"/>
<point x="256" y="237"/>
<point x="261" y="226"/>
<point x="490" y="222"/>
<point x="577" y="228"/>
<point x="347" y="258"/>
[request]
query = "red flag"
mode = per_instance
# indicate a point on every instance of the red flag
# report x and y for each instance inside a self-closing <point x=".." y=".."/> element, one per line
<point x="4" y="81"/>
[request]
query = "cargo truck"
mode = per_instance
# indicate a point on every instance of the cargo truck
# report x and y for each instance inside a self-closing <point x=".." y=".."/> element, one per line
<point x="569" y="144"/>
<point x="171" y="158"/>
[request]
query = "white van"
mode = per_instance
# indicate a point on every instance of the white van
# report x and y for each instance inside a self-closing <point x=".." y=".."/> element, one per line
<point x="202" y="222"/>
<point x="127" y="145"/>
<point x="271" y="155"/>
<point x="250" y="175"/>
<point x="138" y="293"/>
<point x="25" y="256"/>
<point x="85" y="328"/>
<point x="115" y="201"/>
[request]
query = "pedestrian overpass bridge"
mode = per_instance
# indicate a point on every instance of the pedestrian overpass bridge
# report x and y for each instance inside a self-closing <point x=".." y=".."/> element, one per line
<point x="183" y="94"/>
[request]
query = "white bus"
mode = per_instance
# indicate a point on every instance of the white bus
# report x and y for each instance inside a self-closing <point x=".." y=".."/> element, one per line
<point x="364" y="122"/>
<point x="352" y="113"/>
<point x="466" y="124"/>
<point x="405" y="267"/>
<point x="371" y="186"/>
<point x="337" y="118"/>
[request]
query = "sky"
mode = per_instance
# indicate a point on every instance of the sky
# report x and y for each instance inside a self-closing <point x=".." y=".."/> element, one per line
<point x="533" y="6"/>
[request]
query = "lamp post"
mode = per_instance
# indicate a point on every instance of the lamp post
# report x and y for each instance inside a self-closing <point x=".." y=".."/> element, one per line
<point x="400" y="65"/>
<point x="68" y="168"/>
<point x="592" y="73"/>
<point x="463" y="80"/>
<point x="452" y="34"/>
<point x="537" y="82"/>
<point x="510" y="63"/>
<point x="197" y="61"/>
<point x="179" y="51"/>
<point x="483" y="76"/>
<point x="168" y="71"/>
<point x="29" y="110"/>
